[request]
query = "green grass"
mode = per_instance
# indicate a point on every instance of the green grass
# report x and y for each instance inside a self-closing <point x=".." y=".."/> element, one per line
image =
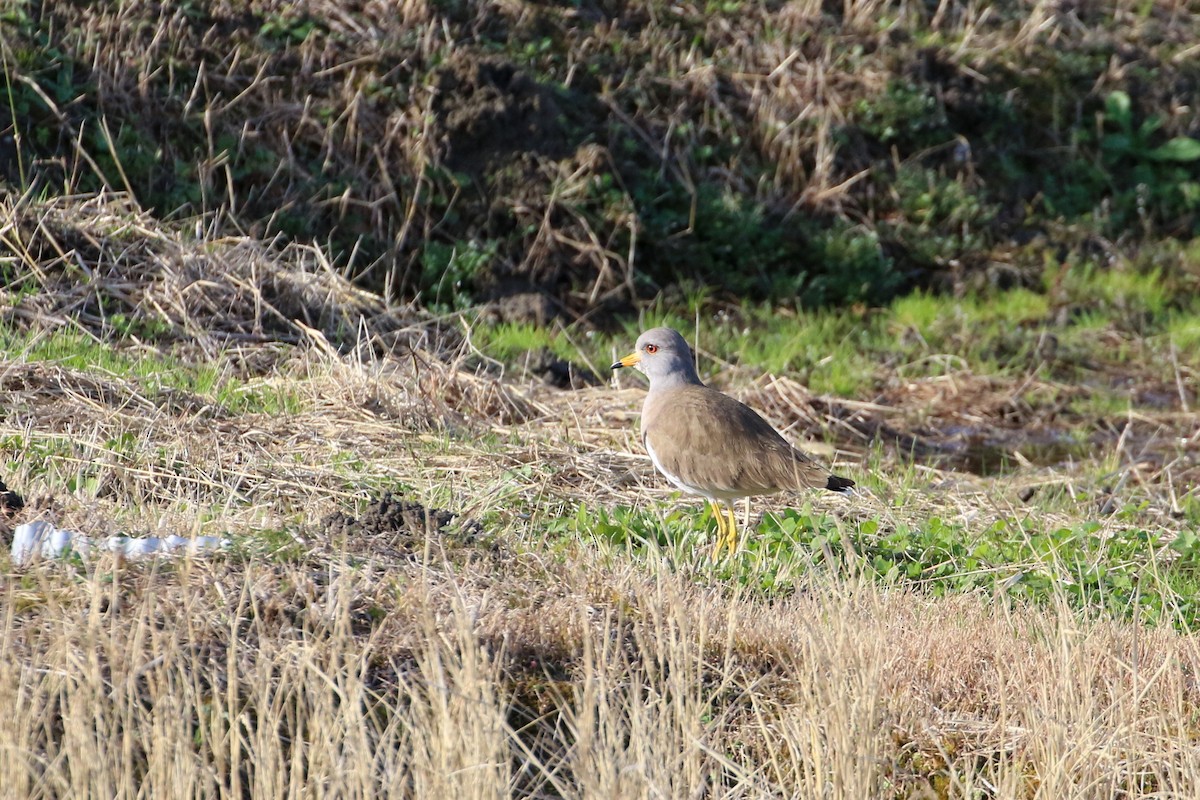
<point x="510" y="341"/>
<point x="152" y="370"/>
<point x="846" y="354"/>
<point x="1122" y="290"/>
<point x="1128" y="573"/>
<point x="282" y="545"/>
<point x="1101" y="405"/>
<point x="1183" y="331"/>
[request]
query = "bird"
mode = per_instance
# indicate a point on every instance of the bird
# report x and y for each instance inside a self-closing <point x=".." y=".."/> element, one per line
<point x="707" y="443"/>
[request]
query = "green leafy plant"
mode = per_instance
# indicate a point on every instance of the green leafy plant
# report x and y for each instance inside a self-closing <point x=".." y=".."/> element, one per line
<point x="1153" y="178"/>
<point x="1133" y="573"/>
<point x="449" y="272"/>
<point x="906" y="114"/>
<point x="1127" y="142"/>
<point x="287" y="28"/>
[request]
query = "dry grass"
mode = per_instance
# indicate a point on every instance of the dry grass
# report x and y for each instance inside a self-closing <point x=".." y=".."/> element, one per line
<point x="635" y="122"/>
<point x="572" y="680"/>
<point x="84" y="260"/>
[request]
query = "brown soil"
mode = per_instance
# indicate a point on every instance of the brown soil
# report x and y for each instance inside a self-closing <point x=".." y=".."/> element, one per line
<point x="488" y="112"/>
<point x="559" y="372"/>
<point x="392" y="524"/>
<point x="516" y="140"/>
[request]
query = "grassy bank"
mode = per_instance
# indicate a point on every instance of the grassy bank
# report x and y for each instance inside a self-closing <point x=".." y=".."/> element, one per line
<point x="582" y="157"/>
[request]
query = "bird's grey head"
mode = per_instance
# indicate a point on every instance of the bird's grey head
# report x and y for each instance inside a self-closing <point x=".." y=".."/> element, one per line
<point x="664" y="357"/>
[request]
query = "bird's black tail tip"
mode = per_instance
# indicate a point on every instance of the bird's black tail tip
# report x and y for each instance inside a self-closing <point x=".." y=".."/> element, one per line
<point x="838" y="484"/>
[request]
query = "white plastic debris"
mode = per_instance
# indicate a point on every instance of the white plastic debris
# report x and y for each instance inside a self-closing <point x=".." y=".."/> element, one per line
<point x="133" y="548"/>
<point x="42" y="537"/>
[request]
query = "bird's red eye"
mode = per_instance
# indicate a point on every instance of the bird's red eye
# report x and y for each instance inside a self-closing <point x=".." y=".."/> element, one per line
<point x="651" y="349"/>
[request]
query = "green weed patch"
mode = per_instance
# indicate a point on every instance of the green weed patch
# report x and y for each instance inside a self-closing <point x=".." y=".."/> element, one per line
<point x="1131" y="573"/>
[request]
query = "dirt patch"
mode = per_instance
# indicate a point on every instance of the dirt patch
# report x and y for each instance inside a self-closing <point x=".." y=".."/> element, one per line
<point x="979" y="450"/>
<point x="968" y="400"/>
<point x="980" y="424"/>
<point x="992" y="451"/>
<point x="555" y="241"/>
<point x="559" y="372"/>
<point x="523" y="306"/>
<point x="393" y="525"/>
<point x="488" y="109"/>
<point x="990" y="425"/>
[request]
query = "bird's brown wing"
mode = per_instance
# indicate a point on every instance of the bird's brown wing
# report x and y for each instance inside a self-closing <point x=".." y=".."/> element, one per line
<point x="709" y="440"/>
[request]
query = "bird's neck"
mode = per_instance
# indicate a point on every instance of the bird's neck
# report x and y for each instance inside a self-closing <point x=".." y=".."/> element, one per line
<point x="675" y="380"/>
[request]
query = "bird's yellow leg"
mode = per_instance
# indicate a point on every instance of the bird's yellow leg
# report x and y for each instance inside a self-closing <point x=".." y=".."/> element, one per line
<point x="732" y="538"/>
<point x="719" y="513"/>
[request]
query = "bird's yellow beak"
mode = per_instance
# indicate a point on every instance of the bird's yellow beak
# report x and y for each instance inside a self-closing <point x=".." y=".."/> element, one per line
<point x="628" y="361"/>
